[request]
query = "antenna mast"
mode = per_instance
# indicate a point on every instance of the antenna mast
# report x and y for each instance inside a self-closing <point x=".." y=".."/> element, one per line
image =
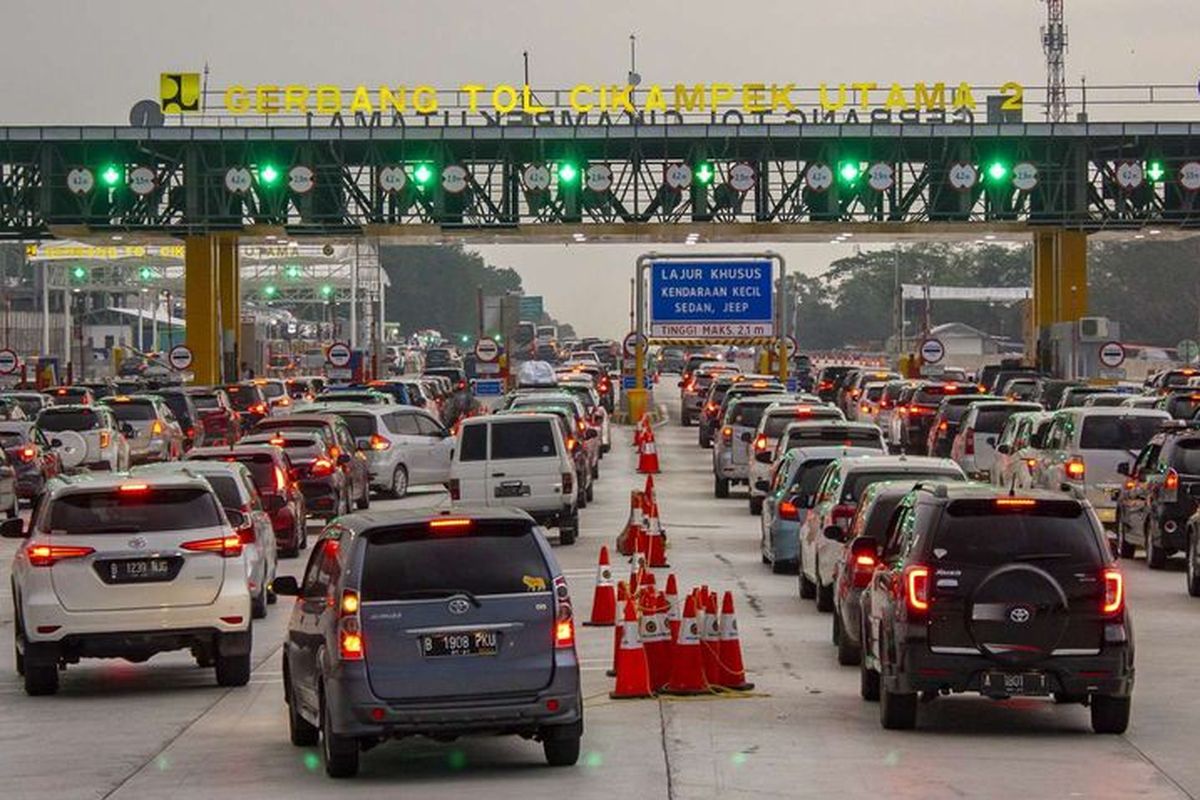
<point x="1054" y="45"/>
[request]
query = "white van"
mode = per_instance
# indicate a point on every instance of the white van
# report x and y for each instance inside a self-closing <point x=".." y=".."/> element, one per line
<point x="518" y="461"/>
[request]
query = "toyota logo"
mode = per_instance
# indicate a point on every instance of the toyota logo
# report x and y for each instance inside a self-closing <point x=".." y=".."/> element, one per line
<point x="459" y="606"/>
<point x="138" y="543"/>
<point x="1019" y="615"/>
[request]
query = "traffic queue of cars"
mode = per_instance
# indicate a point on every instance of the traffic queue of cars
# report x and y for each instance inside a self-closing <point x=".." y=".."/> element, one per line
<point x="957" y="536"/>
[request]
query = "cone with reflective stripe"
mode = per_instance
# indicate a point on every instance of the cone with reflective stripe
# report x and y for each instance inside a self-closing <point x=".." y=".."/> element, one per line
<point x="656" y="542"/>
<point x="631" y="535"/>
<point x="604" y="599"/>
<point x="687" y="662"/>
<point x="645" y="592"/>
<point x="733" y="672"/>
<point x="710" y="641"/>
<point x="633" y="672"/>
<point x="648" y="454"/>
<point x="674" y="615"/>
<point x="656" y="639"/>
<point x="622" y="598"/>
<point x="648" y="489"/>
<point x="639" y="431"/>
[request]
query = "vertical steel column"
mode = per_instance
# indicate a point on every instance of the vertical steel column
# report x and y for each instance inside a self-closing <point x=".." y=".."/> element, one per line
<point x="229" y="295"/>
<point x="200" y="287"/>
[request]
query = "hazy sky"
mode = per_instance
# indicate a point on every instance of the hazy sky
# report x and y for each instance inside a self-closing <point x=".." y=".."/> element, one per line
<point x="86" y="61"/>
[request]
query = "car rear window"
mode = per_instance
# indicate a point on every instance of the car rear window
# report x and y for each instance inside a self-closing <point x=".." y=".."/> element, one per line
<point x="361" y="426"/>
<point x="226" y="489"/>
<point x="11" y="439"/>
<point x="262" y="467"/>
<point x="777" y="422"/>
<point x="874" y="393"/>
<point x="833" y="436"/>
<point x="178" y="405"/>
<point x="271" y="390"/>
<point x="880" y="515"/>
<point x="206" y="401"/>
<point x="134" y="511"/>
<point x="746" y="415"/>
<point x="1185" y="457"/>
<point x="302" y="447"/>
<point x="482" y="559"/>
<point x="987" y="532"/>
<point x="133" y="412"/>
<point x="807" y="476"/>
<point x="73" y="420"/>
<point x="991" y="420"/>
<point x="857" y="482"/>
<point x="524" y="439"/>
<point x="1117" y="433"/>
<point x="932" y="395"/>
<point x="241" y="397"/>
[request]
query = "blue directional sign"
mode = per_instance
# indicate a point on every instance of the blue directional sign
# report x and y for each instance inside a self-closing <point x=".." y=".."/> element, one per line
<point x="630" y="381"/>
<point x="712" y="298"/>
<point x="488" y="387"/>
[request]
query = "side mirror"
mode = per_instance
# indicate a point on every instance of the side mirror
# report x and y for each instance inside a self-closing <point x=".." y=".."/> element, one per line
<point x="747" y="437"/>
<point x="763" y="458"/>
<point x="236" y="518"/>
<point x="1123" y="468"/>
<point x="56" y="442"/>
<point x="834" y="533"/>
<point x="1003" y="449"/>
<point x="761" y="485"/>
<point x="591" y="433"/>
<point x="991" y="441"/>
<point x="286" y="586"/>
<point x="343" y="458"/>
<point x="13" y="528"/>
<point x="273" y="502"/>
<point x="680" y="384"/>
<point x="127" y="429"/>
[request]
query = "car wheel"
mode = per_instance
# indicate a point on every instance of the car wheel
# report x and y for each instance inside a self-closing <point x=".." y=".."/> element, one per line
<point x="756" y="504"/>
<point x="568" y="531"/>
<point x="364" y="502"/>
<point x="898" y="712"/>
<point x="591" y="491"/>
<point x="808" y="589"/>
<point x="848" y="653"/>
<point x="258" y="605"/>
<point x="824" y="597"/>
<point x="868" y="683"/>
<point x="595" y="471"/>
<point x="605" y="448"/>
<point x="341" y="752"/>
<point x="399" y="482"/>
<point x="561" y="752"/>
<point x="1110" y="714"/>
<point x="1156" y="557"/>
<point x="232" y="670"/>
<point x="1124" y="548"/>
<point x="721" y="487"/>
<point x="41" y="679"/>
<point x="1193" y="578"/>
<point x="301" y="732"/>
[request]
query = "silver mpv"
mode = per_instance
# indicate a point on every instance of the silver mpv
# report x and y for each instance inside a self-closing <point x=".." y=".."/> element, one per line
<point x="439" y="624"/>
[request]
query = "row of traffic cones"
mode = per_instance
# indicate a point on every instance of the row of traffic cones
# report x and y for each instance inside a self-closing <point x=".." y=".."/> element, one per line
<point x="644" y="532"/>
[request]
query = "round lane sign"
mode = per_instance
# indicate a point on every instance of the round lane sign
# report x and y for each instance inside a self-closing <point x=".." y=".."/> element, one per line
<point x="790" y="343"/>
<point x="180" y="357"/>
<point x="629" y="345"/>
<point x="338" y="354"/>
<point x="1112" y="354"/>
<point x="932" y="351"/>
<point x="487" y="350"/>
<point x="8" y="362"/>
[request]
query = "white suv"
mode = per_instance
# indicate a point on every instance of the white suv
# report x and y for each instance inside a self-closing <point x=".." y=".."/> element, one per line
<point x="85" y="437"/>
<point x="114" y="566"/>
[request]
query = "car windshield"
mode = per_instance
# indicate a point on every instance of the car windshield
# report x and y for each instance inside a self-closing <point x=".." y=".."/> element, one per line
<point x="981" y="532"/>
<point x="127" y="512"/>
<point x="83" y="419"/>
<point x="482" y="558"/>
<point x="133" y="412"/>
<point x="1109" y="432"/>
<point x="857" y="482"/>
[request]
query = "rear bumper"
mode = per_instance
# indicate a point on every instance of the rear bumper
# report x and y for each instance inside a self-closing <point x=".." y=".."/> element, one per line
<point x="724" y="467"/>
<point x="352" y="703"/>
<point x="1108" y="673"/>
<point x="138" y="644"/>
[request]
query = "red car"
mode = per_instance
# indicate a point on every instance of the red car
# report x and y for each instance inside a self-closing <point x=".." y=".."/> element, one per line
<point x="275" y="478"/>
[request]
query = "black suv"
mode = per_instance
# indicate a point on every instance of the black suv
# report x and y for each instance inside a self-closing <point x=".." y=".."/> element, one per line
<point x="979" y="591"/>
<point x="1156" y="501"/>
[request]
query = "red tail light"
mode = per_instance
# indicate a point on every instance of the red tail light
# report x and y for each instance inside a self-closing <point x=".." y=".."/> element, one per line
<point x="788" y="510"/>
<point x="571" y="444"/>
<point x="969" y="442"/>
<point x="863" y="567"/>
<point x="1171" y="481"/>
<point x="885" y="404"/>
<point x="1075" y="468"/>
<point x="568" y="483"/>
<point x="321" y="467"/>
<point x="1114" y="592"/>
<point x="455" y="489"/>
<point x="1031" y="462"/>
<point x="281" y="480"/>
<point x="350" y="639"/>
<point x="285" y="401"/>
<point x="943" y="426"/>
<point x="225" y="546"/>
<point x="916" y="588"/>
<point x="824" y="385"/>
<point x="191" y="433"/>
<point x="564" y="617"/>
<point x="727" y="434"/>
<point x="710" y="407"/>
<point x="841" y="514"/>
<point x="45" y="555"/>
<point x="27" y="453"/>
<point x="761" y="443"/>
<point x="379" y="443"/>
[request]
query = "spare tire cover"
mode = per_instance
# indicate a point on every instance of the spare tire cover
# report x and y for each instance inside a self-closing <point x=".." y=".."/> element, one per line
<point x="73" y="451"/>
<point x="1018" y="614"/>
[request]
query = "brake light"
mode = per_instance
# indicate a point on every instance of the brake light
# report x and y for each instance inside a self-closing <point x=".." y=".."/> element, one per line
<point x="27" y="453"/>
<point x="885" y="404"/>
<point x="1114" y="591"/>
<point x="1075" y="469"/>
<point x="105" y="439"/>
<point x="568" y="483"/>
<point x="335" y="451"/>
<point x="245" y="533"/>
<point x="863" y="568"/>
<point x="950" y="389"/>
<point x="1031" y="462"/>
<point x="455" y="489"/>
<point x="1015" y="502"/>
<point x="916" y="588"/>
<point x="710" y="407"/>
<point x="969" y="442"/>
<point x="825" y="385"/>
<point x="570" y="444"/>
<point x="133" y="488"/>
<point x="761" y="443"/>
<point x="788" y="510"/>
<point x="350" y="638"/>
<point x="191" y="433"/>
<point x="841" y="514"/>
<point x="379" y="443"/>
<point x="225" y="546"/>
<point x="727" y="434"/>
<point x="281" y="480"/>
<point x="285" y="401"/>
<point x="864" y="408"/>
<point x="454" y="523"/>
<point x="1171" y="482"/>
<point x="943" y="426"/>
<point x="564" y="617"/>
<point x="45" y="555"/>
<point x="258" y="408"/>
<point x="322" y="467"/>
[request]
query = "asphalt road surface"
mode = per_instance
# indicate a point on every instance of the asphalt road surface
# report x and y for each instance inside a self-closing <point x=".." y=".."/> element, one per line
<point x="162" y="729"/>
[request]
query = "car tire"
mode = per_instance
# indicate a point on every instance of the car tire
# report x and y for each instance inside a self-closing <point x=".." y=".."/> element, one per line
<point x="824" y="597"/>
<point x="808" y="589"/>
<point x="301" y="732"/>
<point x="1193" y="575"/>
<point x="258" y="605"/>
<point x="706" y="442"/>
<point x="568" y="531"/>
<point x="685" y="420"/>
<point x="897" y="712"/>
<point x="756" y="506"/>
<point x="41" y="679"/>
<point x="595" y="471"/>
<point x="1110" y="714"/>
<point x="1156" y="557"/>
<point x="868" y="682"/>
<point x="1124" y="548"/>
<point x="581" y="499"/>
<point x="848" y="653"/>
<point x="561" y="752"/>
<point x="364" y="502"/>
<point x="765" y="560"/>
<point x="400" y="482"/>
<point x="783" y="567"/>
<point x="340" y="752"/>
<point x="721" y="488"/>
<point x="605" y="448"/>
<point x="232" y="670"/>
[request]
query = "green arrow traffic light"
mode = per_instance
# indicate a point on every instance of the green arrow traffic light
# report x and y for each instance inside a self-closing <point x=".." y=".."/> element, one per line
<point x="110" y="175"/>
<point x="268" y="174"/>
<point x="997" y="171"/>
<point x="703" y="173"/>
<point x="849" y="171"/>
<point x="423" y="174"/>
<point x="567" y="172"/>
<point x="1155" y="171"/>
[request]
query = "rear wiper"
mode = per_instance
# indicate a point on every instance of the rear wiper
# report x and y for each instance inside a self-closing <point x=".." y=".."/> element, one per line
<point x="438" y="593"/>
<point x="115" y="529"/>
<point x="1040" y="556"/>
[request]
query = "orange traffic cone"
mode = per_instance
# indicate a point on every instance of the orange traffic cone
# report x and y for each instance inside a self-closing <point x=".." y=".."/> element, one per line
<point x="656" y="542"/>
<point x="710" y="641"/>
<point x="687" y="663"/>
<point x="639" y="431"/>
<point x="673" y="615"/>
<point x="733" y="672"/>
<point x="633" y="672"/>
<point x="604" y="599"/>
<point x="656" y="639"/>
<point x="645" y="592"/>
<point x="648" y="454"/>
<point x="622" y="598"/>
<point x="648" y="490"/>
<point x="631" y="535"/>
